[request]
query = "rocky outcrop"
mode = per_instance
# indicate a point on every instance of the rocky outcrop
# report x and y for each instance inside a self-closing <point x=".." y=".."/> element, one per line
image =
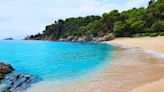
<point x="88" y="38"/>
<point x="72" y="38"/>
<point x="14" y="82"/>
<point x="18" y="83"/>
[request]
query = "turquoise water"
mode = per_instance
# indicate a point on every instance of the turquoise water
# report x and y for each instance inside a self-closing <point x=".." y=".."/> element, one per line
<point x="54" y="60"/>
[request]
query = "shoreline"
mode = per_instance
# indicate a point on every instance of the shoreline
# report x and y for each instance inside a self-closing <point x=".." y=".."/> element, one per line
<point x="146" y="43"/>
<point x="122" y="75"/>
<point x="149" y="44"/>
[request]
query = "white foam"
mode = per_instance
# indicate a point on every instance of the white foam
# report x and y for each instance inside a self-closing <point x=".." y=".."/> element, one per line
<point x="149" y="52"/>
<point x="154" y="54"/>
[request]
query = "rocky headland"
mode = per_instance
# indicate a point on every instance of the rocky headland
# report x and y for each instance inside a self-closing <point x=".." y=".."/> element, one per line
<point x="72" y="38"/>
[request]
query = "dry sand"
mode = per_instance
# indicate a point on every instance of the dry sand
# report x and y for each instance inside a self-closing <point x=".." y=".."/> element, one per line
<point x="155" y="44"/>
<point x="148" y="43"/>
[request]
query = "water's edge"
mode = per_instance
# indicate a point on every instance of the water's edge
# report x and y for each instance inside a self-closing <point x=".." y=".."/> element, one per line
<point x="131" y="67"/>
<point x="28" y="85"/>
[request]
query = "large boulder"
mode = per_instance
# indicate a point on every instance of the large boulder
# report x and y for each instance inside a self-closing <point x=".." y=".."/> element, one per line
<point x="62" y="40"/>
<point x="85" y="38"/>
<point x="69" y="38"/>
<point x="107" y="37"/>
<point x="5" y="68"/>
<point x="75" y="39"/>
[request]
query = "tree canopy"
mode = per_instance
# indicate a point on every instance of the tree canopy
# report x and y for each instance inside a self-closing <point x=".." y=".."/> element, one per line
<point x="129" y="23"/>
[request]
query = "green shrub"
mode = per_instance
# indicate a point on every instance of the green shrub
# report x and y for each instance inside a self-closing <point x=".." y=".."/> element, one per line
<point x="153" y="34"/>
<point x="148" y="30"/>
<point x="161" y="34"/>
<point x="137" y="35"/>
<point x="146" y="34"/>
<point x="143" y="34"/>
<point x="158" y="26"/>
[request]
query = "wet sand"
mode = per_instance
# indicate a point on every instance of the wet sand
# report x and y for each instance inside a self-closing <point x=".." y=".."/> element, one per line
<point x="157" y="86"/>
<point x="154" y="44"/>
<point x="129" y="69"/>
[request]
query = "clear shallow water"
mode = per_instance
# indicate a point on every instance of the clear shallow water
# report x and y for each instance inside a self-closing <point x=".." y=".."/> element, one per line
<point x="54" y="60"/>
<point x="130" y="68"/>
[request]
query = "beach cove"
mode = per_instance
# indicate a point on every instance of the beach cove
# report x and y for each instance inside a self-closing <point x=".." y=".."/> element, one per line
<point x="65" y="46"/>
<point x="132" y="67"/>
<point x="116" y="67"/>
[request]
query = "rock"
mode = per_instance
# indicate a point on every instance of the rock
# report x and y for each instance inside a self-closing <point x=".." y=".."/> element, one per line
<point x="15" y="82"/>
<point x="19" y="83"/>
<point x="5" y="68"/>
<point x="2" y="76"/>
<point x="74" y="39"/>
<point x="95" y="39"/>
<point x="17" y="76"/>
<point x="70" y="38"/>
<point x="85" y="38"/>
<point x="107" y="37"/>
<point x="62" y="40"/>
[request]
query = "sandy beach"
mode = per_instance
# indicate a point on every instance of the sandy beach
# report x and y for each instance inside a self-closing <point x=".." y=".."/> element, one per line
<point x="148" y="43"/>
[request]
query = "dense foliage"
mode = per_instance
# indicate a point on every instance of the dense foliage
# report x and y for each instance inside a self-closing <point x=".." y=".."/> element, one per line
<point x="132" y="23"/>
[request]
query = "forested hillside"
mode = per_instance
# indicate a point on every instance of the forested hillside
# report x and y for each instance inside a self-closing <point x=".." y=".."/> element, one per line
<point x="132" y="23"/>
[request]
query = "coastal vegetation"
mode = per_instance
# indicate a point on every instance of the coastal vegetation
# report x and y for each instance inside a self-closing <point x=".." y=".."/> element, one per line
<point x="137" y="22"/>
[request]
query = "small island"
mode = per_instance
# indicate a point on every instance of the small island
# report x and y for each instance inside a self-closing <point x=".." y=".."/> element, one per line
<point x="8" y="39"/>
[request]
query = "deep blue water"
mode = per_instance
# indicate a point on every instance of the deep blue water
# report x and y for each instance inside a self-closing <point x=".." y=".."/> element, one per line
<point x="54" y="60"/>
